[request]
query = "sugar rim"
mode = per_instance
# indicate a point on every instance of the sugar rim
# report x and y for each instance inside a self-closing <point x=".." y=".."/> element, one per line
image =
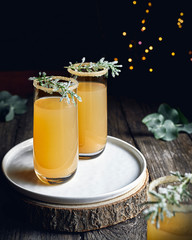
<point x="168" y="179"/>
<point x="87" y="74"/>
<point x="50" y="90"/>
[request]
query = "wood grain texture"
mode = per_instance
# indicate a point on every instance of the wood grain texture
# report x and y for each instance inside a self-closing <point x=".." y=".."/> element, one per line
<point x="124" y="121"/>
<point x="86" y="217"/>
<point x="162" y="157"/>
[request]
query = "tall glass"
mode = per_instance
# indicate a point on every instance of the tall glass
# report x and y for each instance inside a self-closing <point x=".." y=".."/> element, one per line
<point x="92" y="112"/>
<point x="178" y="227"/>
<point x="55" y="134"/>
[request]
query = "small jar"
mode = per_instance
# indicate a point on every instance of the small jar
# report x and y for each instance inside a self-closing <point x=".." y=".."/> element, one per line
<point x="92" y="112"/>
<point x="55" y="134"/>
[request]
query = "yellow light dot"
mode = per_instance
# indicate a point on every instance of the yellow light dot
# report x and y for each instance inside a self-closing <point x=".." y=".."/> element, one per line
<point x="134" y="2"/>
<point x="131" y="67"/>
<point x="146" y="50"/>
<point x="150" y="69"/>
<point x="180" y="26"/>
<point x="115" y="59"/>
<point x="143" y="58"/>
<point x="181" y="13"/>
<point x="160" y="39"/>
<point x="180" y="20"/>
<point x="173" y="53"/>
<point x="149" y="4"/>
<point x="130" y="45"/>
<point x="143" y="21"/>
<point x="130" y="59"/>
<point x="124" y="33"/>
<point x="147" y="10"/>
<point x="151" y="48"/>
<point x="143" y="29"/>
<point x="190" y="52"/>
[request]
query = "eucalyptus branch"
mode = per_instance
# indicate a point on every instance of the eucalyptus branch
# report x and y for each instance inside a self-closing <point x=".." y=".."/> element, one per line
<point x="166" y="196"/>
<point x="95" y="67"/>
<point x="57" y="86"/>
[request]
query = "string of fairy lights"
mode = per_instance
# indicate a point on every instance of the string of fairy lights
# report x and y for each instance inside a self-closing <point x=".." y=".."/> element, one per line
<point x="140" y="43"/>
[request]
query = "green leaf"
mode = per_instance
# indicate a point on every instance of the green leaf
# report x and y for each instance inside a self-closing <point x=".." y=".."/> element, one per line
<point x="185" y="128"/>
<point x="159" y="132"/>
<point x="153" y="116"/>
<point x="153" y="124"/>
<point x="182" y="118"/>
<point x="171" y="131"/>
<point x="11" y="100"/>
<point x="168" y="112"/>
<point x="4" y="95"/>
<point x="10" y="115"/>
<point x="11" y="105"/>
<point x="20" y="107"/>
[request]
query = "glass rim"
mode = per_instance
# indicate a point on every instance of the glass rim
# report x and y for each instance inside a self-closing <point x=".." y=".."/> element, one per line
<point x="184" y="207"/>
<point x="50" y="90"/>
<point x="87" y="74"/>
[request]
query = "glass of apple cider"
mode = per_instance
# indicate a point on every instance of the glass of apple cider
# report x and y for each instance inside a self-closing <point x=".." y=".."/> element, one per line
<point x="175" y="227"/>
<point x="178" y="227"/>
<point x="92" y="111"/>
<point x="55" y="133"/>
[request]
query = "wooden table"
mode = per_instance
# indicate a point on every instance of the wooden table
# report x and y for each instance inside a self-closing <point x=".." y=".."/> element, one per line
<point x="124" y="122"/>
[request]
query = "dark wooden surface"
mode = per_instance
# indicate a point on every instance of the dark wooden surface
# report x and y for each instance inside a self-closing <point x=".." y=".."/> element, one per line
<point x="124" y="122"/>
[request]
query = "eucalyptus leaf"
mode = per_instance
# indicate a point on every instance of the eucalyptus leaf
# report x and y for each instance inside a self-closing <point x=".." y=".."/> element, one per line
<point x="153" y="124"/>
<point x="167" y="123"/>
<point x="20" y="107"/>
<point x="159" y="132"/>
<point x="168" y="112"/>
<point x="153" y="116"/>
<point x="4" y="95"/>
<point x="171" y="131"/>
<point x="11" y="105"/>
<point x="185" y="128"/>
<point x="10" y="115"/>
<point x="182" y="118"/>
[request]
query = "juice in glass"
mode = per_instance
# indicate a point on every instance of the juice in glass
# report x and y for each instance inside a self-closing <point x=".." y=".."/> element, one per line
<point x="55" y="137"/>
<point x="92" y="112"/>
<point x="178" y="227"/>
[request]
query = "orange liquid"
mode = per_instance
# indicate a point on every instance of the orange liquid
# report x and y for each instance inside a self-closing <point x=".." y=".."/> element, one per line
<point x="55" y="138"/>
<point x="178" y="227"/>
<point x="92" y="115"/>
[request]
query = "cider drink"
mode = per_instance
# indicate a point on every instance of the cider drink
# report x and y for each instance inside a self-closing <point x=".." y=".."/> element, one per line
<point x="175" y="223"/>
<point x="92" y="114"/>
<point x="178" y="227"/>
<point x="55" y="137"/>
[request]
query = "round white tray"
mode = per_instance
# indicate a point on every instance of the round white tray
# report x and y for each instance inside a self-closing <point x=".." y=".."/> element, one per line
<point x="120" y="168"/>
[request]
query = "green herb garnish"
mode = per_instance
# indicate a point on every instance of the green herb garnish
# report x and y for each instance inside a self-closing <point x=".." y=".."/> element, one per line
<point x="11" y="105"/>
<point x="95" y="67"/>
<point x="168" y="196"/>
<point x="167" y="123"/>
<point x="57" y="86"/>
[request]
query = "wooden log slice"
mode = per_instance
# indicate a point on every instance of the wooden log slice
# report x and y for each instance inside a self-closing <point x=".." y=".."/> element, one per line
<point x="86" y="217"/>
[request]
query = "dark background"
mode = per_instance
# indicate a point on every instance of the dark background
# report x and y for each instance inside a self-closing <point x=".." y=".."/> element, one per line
<point x="46" y="37"/>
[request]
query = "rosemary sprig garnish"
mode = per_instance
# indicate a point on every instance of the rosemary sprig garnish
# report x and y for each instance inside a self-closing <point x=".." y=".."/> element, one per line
<point x="95" y="67"/>
<point x="168" y="196"/>
<point x="57" y="86"/>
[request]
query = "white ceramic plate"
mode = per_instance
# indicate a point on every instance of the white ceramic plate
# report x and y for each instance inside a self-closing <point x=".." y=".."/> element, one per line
<point x="116" y="171"/>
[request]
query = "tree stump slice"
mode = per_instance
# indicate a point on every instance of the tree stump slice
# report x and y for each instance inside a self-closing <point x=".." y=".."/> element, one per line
<point x="87" y="217"/>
